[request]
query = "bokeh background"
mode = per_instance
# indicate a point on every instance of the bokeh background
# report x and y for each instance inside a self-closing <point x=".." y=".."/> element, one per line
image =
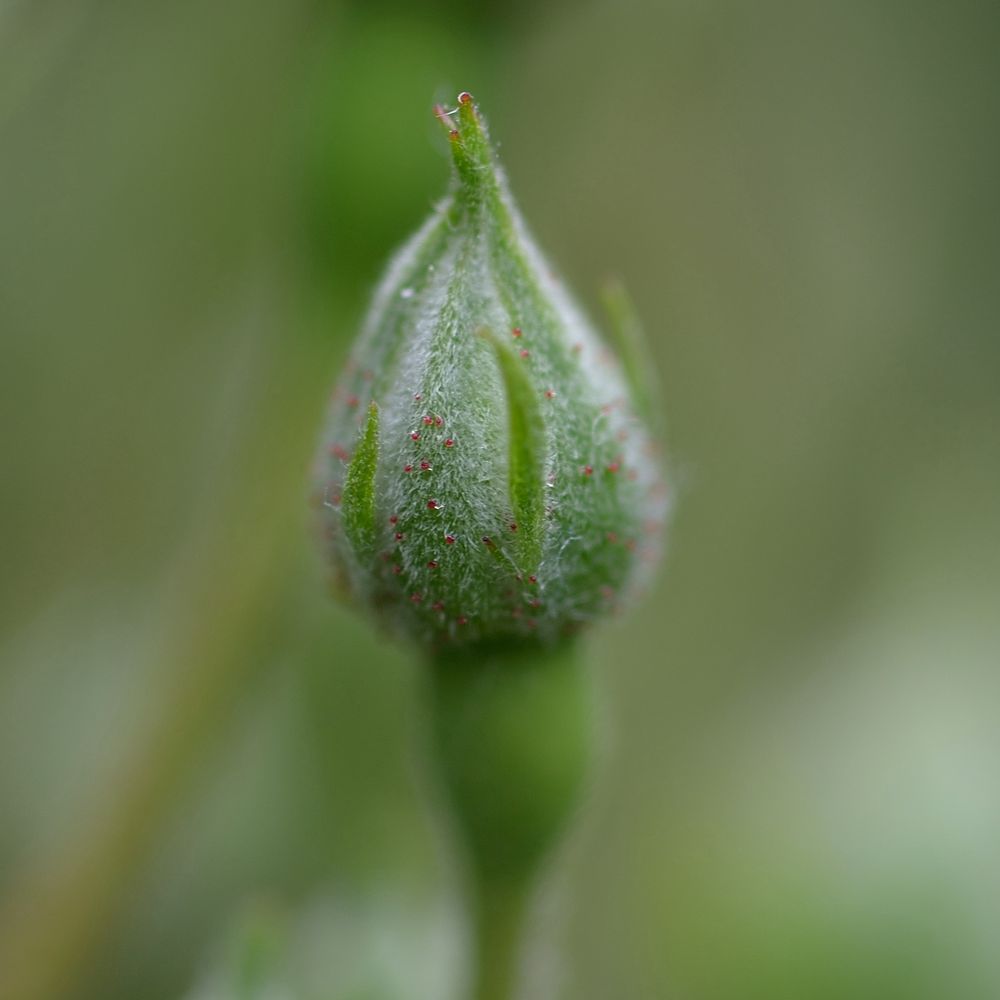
<point x="209" y="775"/>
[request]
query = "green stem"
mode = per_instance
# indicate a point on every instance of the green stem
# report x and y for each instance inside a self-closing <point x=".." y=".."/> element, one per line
<point x="511" y="729"/>
<point x="500" y="915"/>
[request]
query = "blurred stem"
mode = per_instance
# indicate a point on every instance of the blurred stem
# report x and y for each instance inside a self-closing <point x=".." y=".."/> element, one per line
<point x="500" y="913"/>
<point x="57" y="915"/>
<point x="511" y="735"/>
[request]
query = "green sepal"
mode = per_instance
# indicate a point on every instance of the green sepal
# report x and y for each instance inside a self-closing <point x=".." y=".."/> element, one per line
<point x="630" y="343"/>
<point x="526" y="455"/>
<point x="358" y="501"/>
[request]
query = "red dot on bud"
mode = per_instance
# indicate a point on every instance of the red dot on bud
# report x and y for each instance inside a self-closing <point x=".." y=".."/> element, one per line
<point x="428" y="421"/>
<point x="415" y="435"/>
<point x="465" y="97"/>
<point x="462" y="620"/>
<point x="417" y="397"/>
<point x="550" y="393"/>
<point x="416" y="598"/>
<point x="588" y="470"/>
<point x="449" y="442"/>
<point x="433" y="505"/>
<point x="525" y="354"/>
<point x="399" y="536"/>
<point x="532" y="579"/>
<point x="516" y="332"/>
<point x="397" y="569"/>
<point x="407" y="468"/>
<point x="437" y="606"/>
<point x="449" y="539"/>
<point x="339" y="451"/>
<point x="614" y="467"/>
<point x="394" y="519"/>
<point x="432" y="564"/>
<point x="453" y="135"/>
<point x="513" y="527"/>
<point x="425" y="466"/>
<point x="438" y="421"/>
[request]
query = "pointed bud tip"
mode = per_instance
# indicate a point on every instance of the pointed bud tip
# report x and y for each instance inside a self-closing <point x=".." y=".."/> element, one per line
<point x="470" y="146"/>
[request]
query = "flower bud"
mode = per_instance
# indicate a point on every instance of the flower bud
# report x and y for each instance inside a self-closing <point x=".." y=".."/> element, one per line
<point x="485" y="474"/>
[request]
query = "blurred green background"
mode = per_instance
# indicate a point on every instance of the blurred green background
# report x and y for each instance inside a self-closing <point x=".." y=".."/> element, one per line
<point x="800" y="795"/>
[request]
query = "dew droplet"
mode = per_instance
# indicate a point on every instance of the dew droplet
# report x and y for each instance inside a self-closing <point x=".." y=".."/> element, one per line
<point x="406" y="293"/>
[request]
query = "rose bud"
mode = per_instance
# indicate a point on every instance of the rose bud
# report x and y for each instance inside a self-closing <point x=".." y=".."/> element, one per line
<point x="486" y="472"/>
